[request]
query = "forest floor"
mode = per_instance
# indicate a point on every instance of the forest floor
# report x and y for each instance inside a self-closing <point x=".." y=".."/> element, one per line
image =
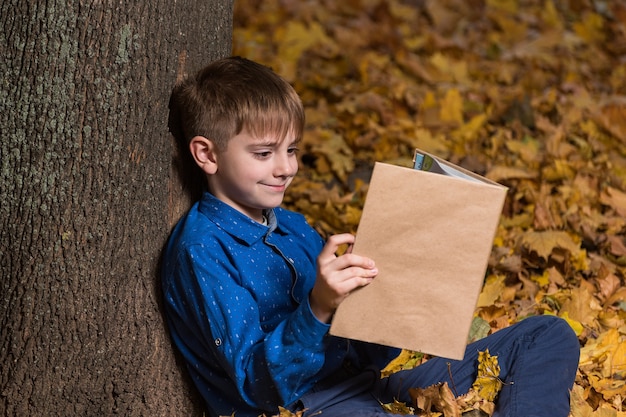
<point x="529" y="93"/>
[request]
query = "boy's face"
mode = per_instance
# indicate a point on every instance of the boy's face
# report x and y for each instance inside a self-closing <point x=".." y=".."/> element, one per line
<point x="253" y="173"/>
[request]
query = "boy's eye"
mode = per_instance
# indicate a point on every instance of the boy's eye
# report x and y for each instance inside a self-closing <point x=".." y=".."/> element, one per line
<point x="263" y="154"/>
<point x="293" y="150"/>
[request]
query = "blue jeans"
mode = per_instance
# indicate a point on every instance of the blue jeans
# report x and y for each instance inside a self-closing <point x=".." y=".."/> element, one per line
<point x="538" y="359"/>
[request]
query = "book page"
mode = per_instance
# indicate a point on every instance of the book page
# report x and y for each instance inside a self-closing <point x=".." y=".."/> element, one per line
<point x="427" y="162"/>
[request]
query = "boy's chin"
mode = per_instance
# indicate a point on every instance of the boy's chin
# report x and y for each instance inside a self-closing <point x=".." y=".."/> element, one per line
<point x="272" y="203"/>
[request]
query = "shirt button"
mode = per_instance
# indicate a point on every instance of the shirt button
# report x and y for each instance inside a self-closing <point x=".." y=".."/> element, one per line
<point x="218" y="342"/>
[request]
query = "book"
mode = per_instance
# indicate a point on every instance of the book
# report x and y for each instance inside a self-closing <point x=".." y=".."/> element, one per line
<point x="430" y="230"/>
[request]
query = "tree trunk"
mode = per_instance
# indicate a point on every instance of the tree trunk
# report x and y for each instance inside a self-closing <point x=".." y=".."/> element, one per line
<point x="87" y="199"/>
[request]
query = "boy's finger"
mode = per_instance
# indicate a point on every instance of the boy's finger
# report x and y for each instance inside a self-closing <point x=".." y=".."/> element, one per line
<point x="348" y="279"/>
<point x="350" y="260"/>
<point x="356" y="282"/>
<point x="334" y="242"/>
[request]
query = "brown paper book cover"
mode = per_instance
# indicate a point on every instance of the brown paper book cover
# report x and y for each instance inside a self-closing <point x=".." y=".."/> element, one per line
<point x="430" y="234"/>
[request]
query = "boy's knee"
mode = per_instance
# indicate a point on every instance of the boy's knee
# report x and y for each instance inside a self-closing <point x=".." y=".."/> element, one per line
<point x="568" y="337"/>
<point x="558" y="331"/>
<point x="545" y="322"/>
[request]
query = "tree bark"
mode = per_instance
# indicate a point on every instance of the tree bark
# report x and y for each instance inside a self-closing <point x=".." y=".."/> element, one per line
<point x="87" y="199"/>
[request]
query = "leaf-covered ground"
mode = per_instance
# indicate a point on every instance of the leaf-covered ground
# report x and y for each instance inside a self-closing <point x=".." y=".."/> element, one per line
<point x="530" y="93"/>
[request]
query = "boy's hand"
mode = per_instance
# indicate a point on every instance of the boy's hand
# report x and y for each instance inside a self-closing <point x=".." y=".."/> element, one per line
<point x="337" y="276"/>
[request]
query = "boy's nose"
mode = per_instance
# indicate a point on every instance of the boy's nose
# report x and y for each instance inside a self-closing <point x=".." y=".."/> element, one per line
<point x="286" y="166"/>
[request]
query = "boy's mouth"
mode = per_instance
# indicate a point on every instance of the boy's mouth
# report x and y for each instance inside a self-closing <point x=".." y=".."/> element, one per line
<point x="277" y="187"/>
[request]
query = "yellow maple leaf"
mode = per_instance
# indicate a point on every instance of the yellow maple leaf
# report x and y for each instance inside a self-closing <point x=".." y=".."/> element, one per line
<point x="453" y="70"/>
<point x="590" y="28"/>
<point x="550" y="15"/>
<point x="608" y="387"/>
<point x="543" y="279"/>
<point x="491" y="291"/>
<point x="544" y="242"/>
<point x="472" y="129"/>
<point x="578" y="403"/>
<point x="407" y="359"/>
<point x="604" y="362"/>
<point x="424" y="139"/>
<point x="574" y="324"/>
<point x="452" y="107"/>
<point x="294" y="38"/>
<point x="581" y="306"/>
<point x="516" y="30"/>
<point x="615" y="363"/>
<point x="559" y="170"/>
<point x="488" y="382"/>
<point x="429" y="101"/>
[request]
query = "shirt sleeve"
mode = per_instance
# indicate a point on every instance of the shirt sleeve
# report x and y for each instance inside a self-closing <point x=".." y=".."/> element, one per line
<point x="268" y="368"/>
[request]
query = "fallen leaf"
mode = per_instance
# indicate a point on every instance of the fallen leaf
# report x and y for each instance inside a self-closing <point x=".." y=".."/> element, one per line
<point x="405" y="360"/>
<point x="492" y="289"/>
<point x="452" y="107"/>
<point x="294" y="38"/>
<point x="579" y="407"/>
<point x="615" y="199"/>
<point x="333" y="148"/>
<point x="478" y="330"/>
<point x="576" y="326"/>
<point x="544" y="242"/>
<point x="488" y="383"/>
<point x="501" y="173"/>
<point x="397" y="407"/>
<point x="590" y="28"/>
<point x="581" y="306"/>
<point x="436" y="397"/>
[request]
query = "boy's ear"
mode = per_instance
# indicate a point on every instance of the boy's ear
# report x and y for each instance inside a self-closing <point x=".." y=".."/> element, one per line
<point x="204" y="153"/>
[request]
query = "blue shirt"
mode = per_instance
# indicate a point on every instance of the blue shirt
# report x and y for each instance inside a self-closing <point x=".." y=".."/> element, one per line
<point x="237" y="305"/>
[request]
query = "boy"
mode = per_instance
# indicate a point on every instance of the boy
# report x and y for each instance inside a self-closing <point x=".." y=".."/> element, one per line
<point x="250" y="288"/>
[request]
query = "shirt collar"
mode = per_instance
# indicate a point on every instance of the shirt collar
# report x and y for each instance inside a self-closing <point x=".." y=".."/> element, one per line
<point x="235" y="222"/>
